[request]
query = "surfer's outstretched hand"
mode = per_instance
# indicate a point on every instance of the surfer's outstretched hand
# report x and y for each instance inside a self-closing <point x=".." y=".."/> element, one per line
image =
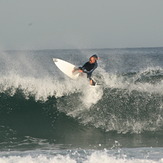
<point x="73" y="70"/>
<point x="80" y="70"/>
<point x="77" y="69"/>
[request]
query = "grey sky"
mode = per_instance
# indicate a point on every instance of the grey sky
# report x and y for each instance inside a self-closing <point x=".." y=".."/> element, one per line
<point x="43" y="24"/>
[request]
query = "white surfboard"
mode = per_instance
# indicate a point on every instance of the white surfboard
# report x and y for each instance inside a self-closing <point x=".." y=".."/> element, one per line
<point x="66" y="67"/>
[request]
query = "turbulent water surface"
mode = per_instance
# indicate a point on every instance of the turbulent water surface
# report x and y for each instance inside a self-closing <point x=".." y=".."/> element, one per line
<point x="47" y="117"/>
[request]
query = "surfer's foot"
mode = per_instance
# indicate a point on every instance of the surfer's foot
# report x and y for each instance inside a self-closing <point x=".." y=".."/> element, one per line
<point x="92" y="83"/>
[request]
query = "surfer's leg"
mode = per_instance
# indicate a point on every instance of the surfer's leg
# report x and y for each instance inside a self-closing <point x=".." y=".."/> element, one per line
<point x="92" y="82"/>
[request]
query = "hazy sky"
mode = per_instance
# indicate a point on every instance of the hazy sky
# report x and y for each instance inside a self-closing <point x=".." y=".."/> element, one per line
<point x="43" y="24"/>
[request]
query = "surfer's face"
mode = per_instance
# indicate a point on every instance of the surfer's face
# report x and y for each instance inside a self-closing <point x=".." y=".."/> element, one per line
<point x="92" y="60"/>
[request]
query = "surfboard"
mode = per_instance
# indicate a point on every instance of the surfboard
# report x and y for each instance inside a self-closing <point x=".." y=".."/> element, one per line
<point x="66" y="67"/>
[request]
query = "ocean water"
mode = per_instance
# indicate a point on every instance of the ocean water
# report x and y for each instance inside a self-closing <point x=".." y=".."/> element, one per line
<point x="45" y="117"/>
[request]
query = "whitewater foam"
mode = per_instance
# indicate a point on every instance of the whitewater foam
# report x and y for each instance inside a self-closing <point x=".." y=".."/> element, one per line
<point x="38" y="159"/>
<point x="41" y="89"/>
<point x="129" y="84"/>
<point x="76" y="157"/>
<point x="91" y="95"/>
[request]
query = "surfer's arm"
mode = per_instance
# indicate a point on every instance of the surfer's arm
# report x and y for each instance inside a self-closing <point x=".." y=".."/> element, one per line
<point x="83" y="68"/>
<point x="88" y="72"/>
<point x="93" y="68"/>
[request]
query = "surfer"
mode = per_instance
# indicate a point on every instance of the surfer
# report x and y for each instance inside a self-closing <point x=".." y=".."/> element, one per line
<point x="89" y="67"/>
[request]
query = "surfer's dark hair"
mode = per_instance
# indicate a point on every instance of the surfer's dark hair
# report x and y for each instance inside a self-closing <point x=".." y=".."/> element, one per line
<point x="95" y="56"/>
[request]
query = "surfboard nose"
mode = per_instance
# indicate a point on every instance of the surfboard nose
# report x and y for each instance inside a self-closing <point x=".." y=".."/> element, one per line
<point x="55" y="60"/>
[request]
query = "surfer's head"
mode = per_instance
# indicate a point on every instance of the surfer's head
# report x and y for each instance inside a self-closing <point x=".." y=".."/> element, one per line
<point x="93" y="58"/>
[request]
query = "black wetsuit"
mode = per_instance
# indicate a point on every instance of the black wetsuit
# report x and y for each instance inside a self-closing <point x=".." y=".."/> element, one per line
<point x="88" y="68"/>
